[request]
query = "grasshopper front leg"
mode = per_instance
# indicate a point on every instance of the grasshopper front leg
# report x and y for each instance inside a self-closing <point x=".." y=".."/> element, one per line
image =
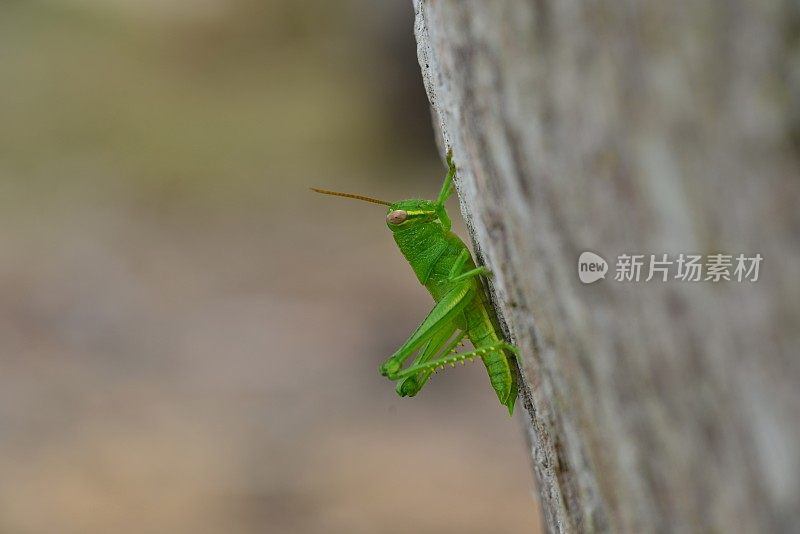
<point x="442" y="316"/>
<point x="447" y="190"/>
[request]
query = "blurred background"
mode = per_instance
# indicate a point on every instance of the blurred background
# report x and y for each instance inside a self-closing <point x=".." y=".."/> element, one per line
<point x="189" y="338"/>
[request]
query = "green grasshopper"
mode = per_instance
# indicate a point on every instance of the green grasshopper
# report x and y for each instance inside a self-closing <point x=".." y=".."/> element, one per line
<point x="445" y="267"/>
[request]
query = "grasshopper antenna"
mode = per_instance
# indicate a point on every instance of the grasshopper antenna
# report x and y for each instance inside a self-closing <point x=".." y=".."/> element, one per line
<point x="349" y="195"/>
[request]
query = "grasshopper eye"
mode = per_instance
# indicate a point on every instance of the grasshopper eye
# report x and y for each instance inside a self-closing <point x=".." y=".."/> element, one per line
<point x="396" y="217"/>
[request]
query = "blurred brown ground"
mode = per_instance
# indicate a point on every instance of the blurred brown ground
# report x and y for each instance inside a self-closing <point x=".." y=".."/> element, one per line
<point x="189" y="338"/>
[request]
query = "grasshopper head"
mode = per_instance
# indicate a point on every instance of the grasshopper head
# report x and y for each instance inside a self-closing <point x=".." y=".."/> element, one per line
<point x="407" y="213"/>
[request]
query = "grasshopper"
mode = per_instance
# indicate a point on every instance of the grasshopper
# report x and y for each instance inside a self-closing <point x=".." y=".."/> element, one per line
<point x="444" y="265"/>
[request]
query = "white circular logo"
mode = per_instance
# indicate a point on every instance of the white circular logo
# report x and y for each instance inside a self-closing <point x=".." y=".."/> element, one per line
<point x="591" y="267"/>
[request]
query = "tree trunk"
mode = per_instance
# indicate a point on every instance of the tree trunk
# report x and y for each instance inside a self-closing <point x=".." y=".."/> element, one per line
<point x="637" y="128"/>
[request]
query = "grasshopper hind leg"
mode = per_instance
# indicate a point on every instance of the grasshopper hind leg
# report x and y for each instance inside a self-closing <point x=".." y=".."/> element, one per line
<point x="438" y="346"/>
<point x="506" y="392"/>
<point x="441" y="317"/>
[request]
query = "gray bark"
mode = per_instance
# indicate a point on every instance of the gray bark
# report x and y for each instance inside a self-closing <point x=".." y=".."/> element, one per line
<point x="636" y="127"/>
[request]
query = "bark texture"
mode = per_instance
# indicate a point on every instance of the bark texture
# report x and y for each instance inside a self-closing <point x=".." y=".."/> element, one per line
<point x="636" y="127"/>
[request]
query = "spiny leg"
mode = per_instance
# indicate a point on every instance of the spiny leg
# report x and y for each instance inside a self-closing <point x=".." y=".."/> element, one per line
<point x="451" y="360"/>
<point x="441" y="316"/>
<point x="507" y="397"/>
<point x="411" y="385"/>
